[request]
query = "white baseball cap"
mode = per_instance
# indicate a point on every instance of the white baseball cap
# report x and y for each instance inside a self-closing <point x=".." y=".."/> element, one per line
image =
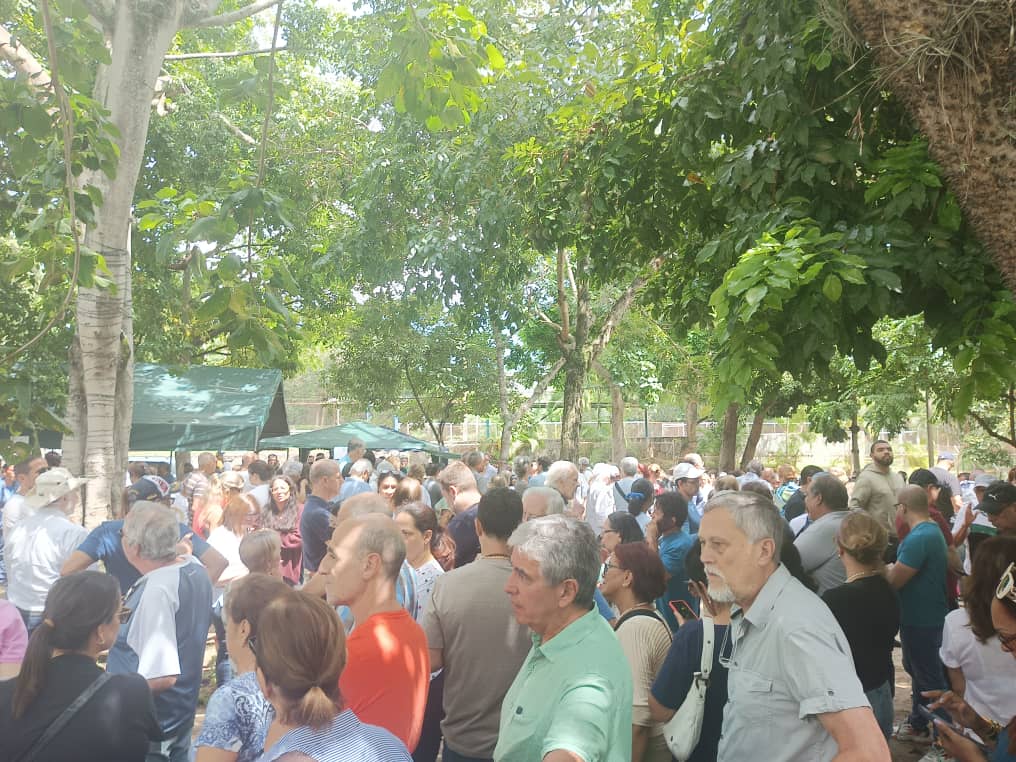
<point x="51" y="486"/>
<point x="687" y="471"/>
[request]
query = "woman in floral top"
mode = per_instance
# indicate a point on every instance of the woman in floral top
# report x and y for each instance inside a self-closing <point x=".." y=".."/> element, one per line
<point x="238" y="715"/>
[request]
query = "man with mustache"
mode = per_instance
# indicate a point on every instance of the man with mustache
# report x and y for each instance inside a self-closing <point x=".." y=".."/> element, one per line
<point x="793" y="693"/>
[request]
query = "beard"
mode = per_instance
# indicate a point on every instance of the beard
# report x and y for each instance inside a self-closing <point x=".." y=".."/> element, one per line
<point x="719" y="592"/>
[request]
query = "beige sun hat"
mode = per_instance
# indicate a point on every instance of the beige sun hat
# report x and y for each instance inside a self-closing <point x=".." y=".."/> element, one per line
<point x="51" y="486"/>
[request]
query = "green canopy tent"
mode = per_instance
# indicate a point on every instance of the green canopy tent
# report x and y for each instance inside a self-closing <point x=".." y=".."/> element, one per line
<point x="206" y="408"/>
<point x="373" y="436"/>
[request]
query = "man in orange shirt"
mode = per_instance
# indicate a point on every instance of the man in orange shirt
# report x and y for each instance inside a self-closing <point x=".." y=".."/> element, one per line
<point x="387" y="663"/>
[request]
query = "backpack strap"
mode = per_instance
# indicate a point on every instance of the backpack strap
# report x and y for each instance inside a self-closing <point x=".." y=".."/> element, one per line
<point x="61" y="721"/>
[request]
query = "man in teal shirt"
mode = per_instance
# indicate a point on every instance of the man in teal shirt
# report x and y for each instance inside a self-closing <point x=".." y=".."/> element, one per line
<point x="919" y="576"/>
<point x="571" y="700"/>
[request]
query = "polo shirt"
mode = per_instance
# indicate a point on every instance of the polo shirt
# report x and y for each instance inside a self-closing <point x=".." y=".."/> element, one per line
<point x="789" y="662"/>
<point x="573" y="693"/>
<point x="462" y="529"/>
<point x="103" y="544"/>
<point x="818" y="549"/>
<point x="165" y="633"/>
<point x="35" y="551"/>
<point x="923" y="599"/>
<point x="315" y="531"/>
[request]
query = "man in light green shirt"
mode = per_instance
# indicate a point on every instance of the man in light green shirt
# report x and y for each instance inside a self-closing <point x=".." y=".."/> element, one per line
<point x="571" y="700"/>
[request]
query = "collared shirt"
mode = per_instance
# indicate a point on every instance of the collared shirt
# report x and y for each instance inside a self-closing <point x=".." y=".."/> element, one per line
<point x="789" y="663"/>
<point x="572" y="693"/>
<point x="354" y="485"/>
<point x="818" y="549"/>
<point x="345" y="739"/>
<point x="35" y="551"/>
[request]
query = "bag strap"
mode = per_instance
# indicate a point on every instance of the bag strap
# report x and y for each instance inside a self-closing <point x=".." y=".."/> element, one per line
<point x="708" y="641"/>
<point x="620" y="491"/>
<point x="642" y="612"/>
<point x="61" y="721"/>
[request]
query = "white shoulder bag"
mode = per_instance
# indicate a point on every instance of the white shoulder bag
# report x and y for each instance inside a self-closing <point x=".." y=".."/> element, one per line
<point x="682" y="731"/>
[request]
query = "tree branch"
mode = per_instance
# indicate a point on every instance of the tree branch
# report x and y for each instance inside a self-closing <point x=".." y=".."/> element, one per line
<point x="990" y="431"/>
<point x="546" y="319"/>
<point x="419" y="404"/>
<point x="236" y="130"/>
<point x="562" y="299"/>
<point x="223" y="54"/>
<point x="225" y="19"/>
<point x="23" y="61"/>
<point x="101" y="10"/>
<point x="539" y="389"/>
<point x="621" y="307"/>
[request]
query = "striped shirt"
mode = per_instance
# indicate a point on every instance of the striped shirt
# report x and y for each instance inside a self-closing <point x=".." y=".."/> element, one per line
<point x="345" y="740"/>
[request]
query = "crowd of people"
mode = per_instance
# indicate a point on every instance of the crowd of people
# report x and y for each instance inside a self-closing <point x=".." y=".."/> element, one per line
<point x="371" y="608"/>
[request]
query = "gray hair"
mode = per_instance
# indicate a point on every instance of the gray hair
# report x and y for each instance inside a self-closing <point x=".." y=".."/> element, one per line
<point x="521" y="466"/>
<point x="753" y="514"/>
<point x="153" y="529"/>
<point x="551" y="498"/>
<point x="565" y="548"/>
<point x="756" y="467"/>
<point x="293" y="469"/>
<point x="362" y="466"/>
<point x="381" y="535"/>
<point x="629" y="466"/>
<point x="558" y="470"/>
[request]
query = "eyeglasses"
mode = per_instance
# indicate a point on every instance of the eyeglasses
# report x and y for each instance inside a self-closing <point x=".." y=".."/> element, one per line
<point x="252" y="643"/>
<point x="608" y="565"/>
<point x="124" y="614"/>
<point x="1007" y="585"/>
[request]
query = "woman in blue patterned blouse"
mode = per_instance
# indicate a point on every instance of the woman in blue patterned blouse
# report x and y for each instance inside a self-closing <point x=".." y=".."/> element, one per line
<point x="238" y="715"/>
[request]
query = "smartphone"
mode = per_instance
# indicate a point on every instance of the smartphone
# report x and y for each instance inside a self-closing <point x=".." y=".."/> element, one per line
<point x="683" y="610"/>
<point x="931" y="717"/>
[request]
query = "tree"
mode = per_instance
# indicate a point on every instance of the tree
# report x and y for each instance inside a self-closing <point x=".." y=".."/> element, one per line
<point x="134" y="40"/>
<point x="951" y="64"/>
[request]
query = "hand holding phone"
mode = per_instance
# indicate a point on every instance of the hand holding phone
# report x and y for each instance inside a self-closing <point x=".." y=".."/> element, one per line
<point x="682" y="611"/>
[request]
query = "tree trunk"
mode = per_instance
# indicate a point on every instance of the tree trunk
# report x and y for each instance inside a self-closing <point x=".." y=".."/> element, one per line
<point x="618" y="444"/>
<point x="102" y="361"/>
<point x="931" y="429"/>
<point x="855" y="447"/>
<point x="575" y="370"/>
<point x="728" y="438"/>
<point x="691" y="425"/>
<point x="962" y="102"/>
<point x="754" y="435"/>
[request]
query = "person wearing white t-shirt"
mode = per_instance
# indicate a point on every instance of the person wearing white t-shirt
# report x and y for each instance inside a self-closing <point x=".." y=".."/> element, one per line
<point x="971" y="526"/>
<point x="16" y="508"/>
<point x="39" y="544"/>
<point x="977" y="667"/>
<point x="260" y="477"/>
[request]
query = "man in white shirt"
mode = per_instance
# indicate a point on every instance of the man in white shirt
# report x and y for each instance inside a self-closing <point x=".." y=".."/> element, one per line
<point x="15" y="508"/>
<point x="40" y="543"/>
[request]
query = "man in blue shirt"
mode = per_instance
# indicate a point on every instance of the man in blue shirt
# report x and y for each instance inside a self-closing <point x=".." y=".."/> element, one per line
<point x="316" y="521"/>
<point x="919" y="576"/>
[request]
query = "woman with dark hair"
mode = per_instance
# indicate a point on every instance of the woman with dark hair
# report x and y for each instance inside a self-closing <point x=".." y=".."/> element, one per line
<point x="977" y="667"/>
<point x="619" y="527"/>
<point x="300" y="652"/>
<point x="423" y="537"/>
<point x="1000" y="739"/>
<point x="238" y="716"/>
<point x="283" y="515"/>
<point x="667" y="536"/>
<point x="387" y="484"/>
<point x="867" y="609"/>
<point x="640" y="501"/>
<point x="635" y="577"/>
<point x="684" y="659"/>
<point x="117" y="719"/>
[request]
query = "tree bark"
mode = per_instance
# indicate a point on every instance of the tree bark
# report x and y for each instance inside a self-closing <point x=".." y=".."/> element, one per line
<point x="691" y="425"/>
<point x="855" y="447"/>
<point x="575" y="371"/>
<point x="728" y="438"/>
<point x="754" y="435"/>
<point x="618" y="443"/>
<point x="140" y="35"/>
<point x="952" y="66"/>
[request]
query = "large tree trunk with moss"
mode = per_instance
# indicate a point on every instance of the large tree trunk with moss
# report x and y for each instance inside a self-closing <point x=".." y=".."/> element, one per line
<point x="952" y="64"/>
<point x="575" y="371"/>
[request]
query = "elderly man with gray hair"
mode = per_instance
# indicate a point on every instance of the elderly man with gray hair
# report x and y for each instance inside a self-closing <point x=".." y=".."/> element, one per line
<point x="629" y="473"/>
<point x="793" y="693"/>
<point x="571" y="700"/>
<point x="164" y="624"/>
<point x="538" y="502"/>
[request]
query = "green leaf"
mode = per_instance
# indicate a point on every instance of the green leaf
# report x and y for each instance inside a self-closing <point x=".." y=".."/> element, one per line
<point x="214" y="306"/>
<point x="832" y="287"/>
<point x="494" y="58"/>
<point x="150" y="221"/>
<point x="229" y="267"/>
<point x="166" y="193"/>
